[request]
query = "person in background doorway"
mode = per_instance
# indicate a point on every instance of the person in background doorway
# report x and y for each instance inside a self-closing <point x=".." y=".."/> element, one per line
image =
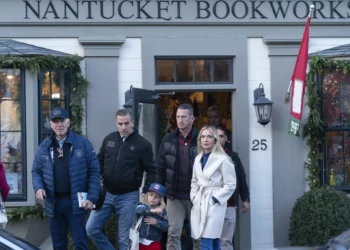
<point x="174" y="170"/>
<point x="213" y="182"/>
<point x="241" y="190"/>
<point x="215" y="119"/>
<point x="124" y="157"/>
<point x="4" y="187"/>
<point x="65" y="164"/>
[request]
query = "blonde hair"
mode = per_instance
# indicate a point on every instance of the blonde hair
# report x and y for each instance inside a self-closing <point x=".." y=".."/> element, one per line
<point x="144" y="200"/>
<point x="217" y="147"/>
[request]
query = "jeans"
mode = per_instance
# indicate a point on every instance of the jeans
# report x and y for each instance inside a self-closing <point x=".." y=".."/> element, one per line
<point x="210" y="244"/>
<point x="228" y="229"/>
<point x="178" y="210"/>
<point x="124" y="206"/>
<point x="63" y="220"/>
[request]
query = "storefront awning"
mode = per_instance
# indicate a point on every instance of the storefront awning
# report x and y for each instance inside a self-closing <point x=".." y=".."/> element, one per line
<point x="339" y="51"/>
<point x="15" y="48"/>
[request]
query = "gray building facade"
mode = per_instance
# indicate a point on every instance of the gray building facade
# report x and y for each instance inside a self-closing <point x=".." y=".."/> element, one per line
<point x="123" y="43"/>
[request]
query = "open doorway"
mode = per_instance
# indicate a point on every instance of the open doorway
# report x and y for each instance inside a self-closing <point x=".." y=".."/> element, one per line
<point x="218" y="103"/>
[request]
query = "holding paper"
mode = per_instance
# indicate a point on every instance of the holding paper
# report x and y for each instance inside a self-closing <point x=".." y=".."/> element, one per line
<point x="82" y="196"/>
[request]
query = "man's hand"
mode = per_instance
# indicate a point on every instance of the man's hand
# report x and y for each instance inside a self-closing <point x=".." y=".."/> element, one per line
<point x="88" y="205"/>
<point x="245" y="206"/>
<point x="150" y="221"/>
<point x="40" y="194"/>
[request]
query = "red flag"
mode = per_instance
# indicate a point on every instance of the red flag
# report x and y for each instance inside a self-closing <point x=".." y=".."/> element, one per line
<point x="298" y="83"/>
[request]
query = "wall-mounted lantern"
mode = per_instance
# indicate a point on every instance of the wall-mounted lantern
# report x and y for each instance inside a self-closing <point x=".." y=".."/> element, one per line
<point x="263" y="106"/>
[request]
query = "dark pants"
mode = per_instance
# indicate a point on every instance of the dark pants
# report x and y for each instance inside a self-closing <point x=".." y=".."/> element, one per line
<point x="62" y="221"/>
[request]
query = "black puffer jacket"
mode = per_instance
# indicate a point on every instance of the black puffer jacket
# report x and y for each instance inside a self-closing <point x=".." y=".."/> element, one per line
<point x="123" y="163"/>
<point x="168" y="157"/>
<point x="241" y="184"/>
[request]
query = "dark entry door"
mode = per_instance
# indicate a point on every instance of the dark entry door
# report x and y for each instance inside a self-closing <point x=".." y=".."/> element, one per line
<point x="144" y="106"/>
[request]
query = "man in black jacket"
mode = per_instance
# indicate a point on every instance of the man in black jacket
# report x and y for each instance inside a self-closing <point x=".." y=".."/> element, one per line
<point x="241" y="190"/>
<point x="124" y="157"/>
<point x="174" y="167"/>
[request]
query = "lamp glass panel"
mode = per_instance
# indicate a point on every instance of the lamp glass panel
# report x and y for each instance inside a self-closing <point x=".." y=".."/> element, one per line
<point x="257" y="112"/>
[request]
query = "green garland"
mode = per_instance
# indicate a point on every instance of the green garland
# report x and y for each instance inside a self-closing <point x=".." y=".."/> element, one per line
<point x="313" y="127"/>
<point x="22" y="213"/>
<point x="78" y="83"/>
<point x="78" y="92"/>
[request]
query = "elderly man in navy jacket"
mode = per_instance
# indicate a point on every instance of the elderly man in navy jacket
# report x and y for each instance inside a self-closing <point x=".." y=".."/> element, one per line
<point x="65" y="164"/>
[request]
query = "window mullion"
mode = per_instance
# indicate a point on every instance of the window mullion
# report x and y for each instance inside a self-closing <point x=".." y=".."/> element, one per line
<point x="175" y="78"/>
<point x="194" y="70"/>
<point x="211" y="70"/>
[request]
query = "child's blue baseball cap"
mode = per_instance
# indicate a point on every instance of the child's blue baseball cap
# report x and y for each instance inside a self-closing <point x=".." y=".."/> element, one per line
<point x="157" y="188"/>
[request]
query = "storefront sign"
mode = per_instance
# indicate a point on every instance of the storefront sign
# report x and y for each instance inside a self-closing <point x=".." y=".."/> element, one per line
<point x="169" y="11"/>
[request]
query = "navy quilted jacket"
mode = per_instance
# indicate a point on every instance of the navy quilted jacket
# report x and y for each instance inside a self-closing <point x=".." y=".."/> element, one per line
<point x="84" y="172"/>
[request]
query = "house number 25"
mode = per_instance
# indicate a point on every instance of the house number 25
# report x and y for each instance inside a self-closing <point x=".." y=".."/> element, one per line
<point x="259" y="144"/>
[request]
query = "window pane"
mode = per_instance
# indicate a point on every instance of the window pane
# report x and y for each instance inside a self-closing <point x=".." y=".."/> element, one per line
<point x="11" y="150"/>
<point x="345" y="111"/>
<point x="202" y="70"/>
<point x="221" y="70"/>
<point x="45" y="111"/>
<point x="335" y="144"/>
<point x="57" y="104"/>
<point x="46" y="85"/>
<point x="10" y="115"/>
<point x="345" y="84"/>
<point x="165" y="70"/>
<point x="58" y="85"/>
<point x="337" y="166"/>
<point x="11" y="157"/>
<point x="10" y="83"/>
<point x="184" y="70"/>
<point x="11" y="128"/>
<point x="331" y="83"/>
<point x="56" y="82"/>
<point x="332" y="112"/>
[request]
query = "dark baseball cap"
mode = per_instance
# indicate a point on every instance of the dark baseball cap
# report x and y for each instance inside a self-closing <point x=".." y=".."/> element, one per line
<point x="59" y="113"/>
<point x="157" y="188"/>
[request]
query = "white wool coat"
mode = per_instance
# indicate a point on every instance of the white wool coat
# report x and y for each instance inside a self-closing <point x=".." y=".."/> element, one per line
<point x="218" y="179"/>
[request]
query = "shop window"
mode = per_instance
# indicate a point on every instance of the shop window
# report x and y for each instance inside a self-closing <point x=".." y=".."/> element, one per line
<point x="54" y="92"/>
<point x="13" y="131"/>
<point x="335" y="101"/>
<point x="194" y="70"/>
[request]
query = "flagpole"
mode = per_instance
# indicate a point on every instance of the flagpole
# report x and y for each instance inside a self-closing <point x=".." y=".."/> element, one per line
<point x="287" y="97"/>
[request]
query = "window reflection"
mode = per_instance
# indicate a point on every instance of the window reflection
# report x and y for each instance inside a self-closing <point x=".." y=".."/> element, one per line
<point x="54" y="94"/>
<point x="184" y="70"/>
<point x="194" y="70"/>
<point x="221" y="70"/>
<point x="165" y="70"/>
<point x="11" y="128"/>
<point x="202" y="70"/>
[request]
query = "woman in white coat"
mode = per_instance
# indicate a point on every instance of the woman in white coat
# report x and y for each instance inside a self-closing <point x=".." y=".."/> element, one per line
<point x="213" y="183"/>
